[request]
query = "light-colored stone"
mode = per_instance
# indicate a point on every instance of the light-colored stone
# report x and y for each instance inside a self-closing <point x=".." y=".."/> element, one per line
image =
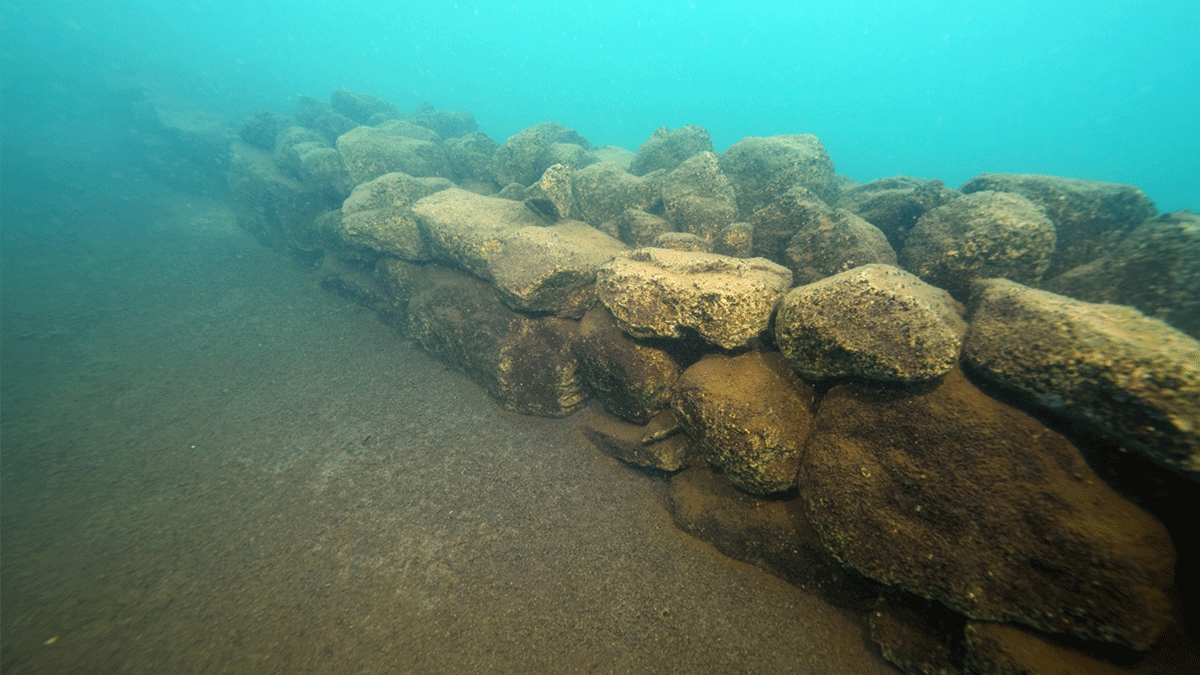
<point x="1133" y="379"/>
<point x="377" y="215"/>
<point x="465" y="230"/>
<point x="876" y="321"/>
<point x="655" y="292"/>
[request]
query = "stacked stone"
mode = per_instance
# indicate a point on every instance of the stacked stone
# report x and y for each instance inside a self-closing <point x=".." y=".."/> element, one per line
<point x="807" y="359"/>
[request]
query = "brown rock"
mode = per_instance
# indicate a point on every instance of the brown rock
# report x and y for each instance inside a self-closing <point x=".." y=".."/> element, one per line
<point x="762" y="169"/>
<point x="633" y="381"/>
<point x="956" y="497"/>
<point x="528" y="364"/>
<point x="749" y="416"/>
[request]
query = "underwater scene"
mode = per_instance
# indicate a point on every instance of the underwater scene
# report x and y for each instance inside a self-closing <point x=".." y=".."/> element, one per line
<point x="661" y="337"/>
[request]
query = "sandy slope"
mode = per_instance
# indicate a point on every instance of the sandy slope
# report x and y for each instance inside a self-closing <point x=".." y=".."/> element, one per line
<point x="212" y="466"/>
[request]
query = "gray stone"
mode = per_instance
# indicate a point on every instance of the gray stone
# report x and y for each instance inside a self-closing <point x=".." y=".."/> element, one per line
<point x="289" y="145"/>
<point x="1090" y="217"/>
<point x="638" y="228"/>
<point x="261" y="127"/>
<point x="682" y="241"/>
<point x="370" y="152"/>
<point x="614" y="155"/>
<point x="527" y="364"/>
<point x="749" y="416"/>
<point x="273" y="206"/>
<point x="551" y="196"/>
<point x="666" y="149"/>
<point x="876" y="322"/>
<point x="656" y="292"/>
<point x="834" y="242"/>
<point x="1155" y="269"/>
<point x="778" y="222"/>
<point x="321" y="117"/>
<point x="359" y="107"/>
<point x="470" y="157"/>
<point x="551" y="269"/>
<point x="464" y="229"/>
<point x="522" y="158"/>
<point x="894" y="205"/>
<point x="603" y="191"/>
<point x="980" y="236"/>
<point x="446" y="123"/>
<point x="958" y="498"/>
<point x="634" y="381"/>
<point x="378" y="215"/>
<point x="1130" y="378"/>
<point x="697" y="198"/>
<point x="763" y="169"/>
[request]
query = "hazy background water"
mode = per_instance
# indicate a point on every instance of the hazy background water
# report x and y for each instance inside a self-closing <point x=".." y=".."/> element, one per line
<point x="1101" y="90"/>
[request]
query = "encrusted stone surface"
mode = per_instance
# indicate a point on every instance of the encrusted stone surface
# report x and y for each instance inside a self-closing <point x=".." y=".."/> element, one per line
<point x="749" y="416"/>
<point x="370" y="152"/>
<point x="654" y="292"/>
<point x="834" y="243"/>
<point x="551" y="269"/>
<point x="697" y="197"/>
<point x="1090" y="217"/>
<point x="526" y="363"/>
<point x="956" y="497"/>
<point x="632" y="380"/>
<point x="980" y="236"/>
<point x="377" y="215"/>
<point x="1130" y="378"/>
<point x="464" y="229"/>
<point x="876" y="321"/>
<point x="762" y="169"/>
<point x="668" y="148"/>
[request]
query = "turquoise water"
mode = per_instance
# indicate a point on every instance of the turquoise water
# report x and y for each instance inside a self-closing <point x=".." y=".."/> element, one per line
<point x="1098" y="90"/>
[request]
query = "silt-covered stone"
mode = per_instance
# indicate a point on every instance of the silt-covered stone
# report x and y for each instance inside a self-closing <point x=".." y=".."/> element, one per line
<point x="634" y="381"/>
<point x="654" y="292"/>
<point x="876" y="321"/>
<point x="1130" y="378"/>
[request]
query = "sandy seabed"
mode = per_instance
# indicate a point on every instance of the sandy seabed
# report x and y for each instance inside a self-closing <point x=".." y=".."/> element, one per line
<point x="212" y="466"/>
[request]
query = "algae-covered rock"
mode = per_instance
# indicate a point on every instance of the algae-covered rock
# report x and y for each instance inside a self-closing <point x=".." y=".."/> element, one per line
<point x="603" y="191"/>
<point x="763" y="169"/>
<point x="276" y="208"/>
<point x="655" y="292"/>
<point x="524" y="157"/>
<point x="876" y="321"/>
<point x="1156" y="269"/>
<point x="980" y="236"/>
<point x="835" y="242"/>
<point x="1128" y="377"/>
<point x="1090" y="217"/>
<point x="464" y="229"/>
<point x="634" y="381"/>
<point x="666" y="149"/>
<point x="528" y="364"/>
<point x="370" y="152"/>
<point x="956" y="497"/>
<point x="895" y="204"/>
<point x="358" y="106"/>
<point x="697" y="197"/>
<point x="378" y="215"/>
<point x="749" y="416"/>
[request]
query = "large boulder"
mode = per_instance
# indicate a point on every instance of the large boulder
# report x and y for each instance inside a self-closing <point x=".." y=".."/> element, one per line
<point x="603" y="191"/>
<point x="666" y="149"/>
<point x="772" y="534"/>
<point x="378" y="215"/>
<point x="698" y="198"/>
<point x="958" y="498"/>
<point x="980" y="236"/>
<point x="446" y="123"/>
<point x="763" y="169"/>
<point x="261" y="127"/>
<point x="632" y="380"/>
<point x="778" y="222"/>
<point x="321" y="117"/>
<point x="638" y="228"/>
<point x="360" y="107"/>
<point x="464" y="229"/>
<point x="1156" y="269"/>
<point x="749" y="416"/>
<point x="528" y="364"/>
<point x="876" y="322"/>
<point x="551" y="269"/>
<point x="273" y="206"/>
<point x="370" y="152"/>
<point x="524" y="157"/>
<point x="1130" y="378"/>
<point x="894" y="205"/>
<point x="834" y="242"/>
<point x="655" y="292"/>
<point x="470" y="157"/>
<point x="1090" y="217"/>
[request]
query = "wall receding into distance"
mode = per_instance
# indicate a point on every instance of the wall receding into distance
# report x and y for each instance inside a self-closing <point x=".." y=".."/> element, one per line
<point x="1100" y="90"/>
